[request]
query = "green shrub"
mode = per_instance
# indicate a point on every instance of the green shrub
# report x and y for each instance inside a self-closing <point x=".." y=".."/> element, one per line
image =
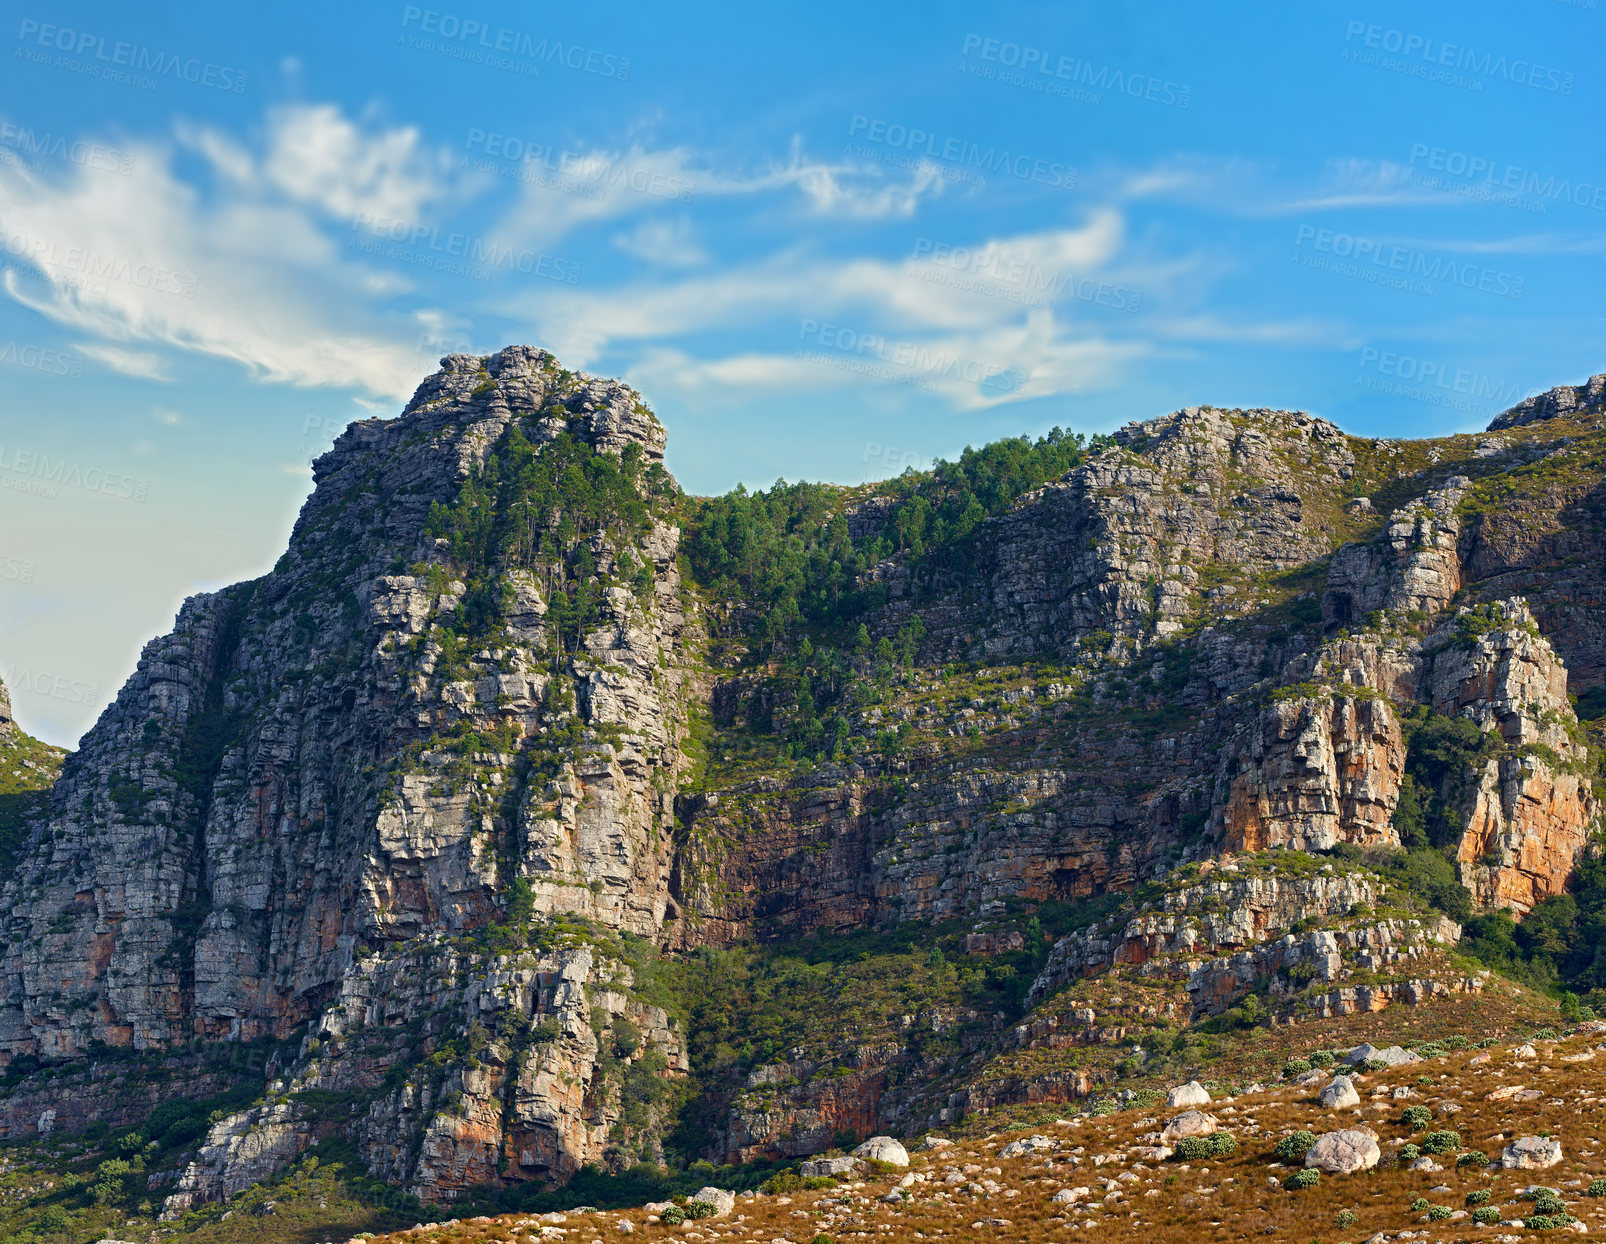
<point x="1294" y="1148"/>
<point x="1296" y="1067"/>
<point x="1374" y="1065"/>
<point x="1438" y="1213"/>
<point x="1223" y="1145"/>
<point x="1308" y="1177"/>
<point x="1322" y="1058"/>
<point x="1193" y="1148"/>
<point x="822" y="1238"/>
<point x="1488" y="1215"/>
<point x="1473" y="1157"/>
<point x="1544" y="1222"/>
<point x="673" y="1216"/>
<point x="1441" y="1142"/>
<point x="1345" y="1218"/>
<point x="1416" y="1117"/>
<point x="701" y="1209"/>
<point x="1597" y="1187"/>
<point x="1418" y="1205"/>
<point x="1410" y="1153"/>
<point x="1478" y="1197"/>
<point x="1548" y="1203"/>
<point x="816" y="1183"/>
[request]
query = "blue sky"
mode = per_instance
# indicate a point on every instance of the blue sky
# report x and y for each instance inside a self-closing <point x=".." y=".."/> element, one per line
<point x="825" y="243"/>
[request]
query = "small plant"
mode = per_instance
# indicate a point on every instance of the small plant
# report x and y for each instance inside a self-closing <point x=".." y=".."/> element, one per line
<point x="1418" y="1205"/>
<point x="1345" y="1218"/>
<point x="673" y="1216"/>
<point x="1549" y="1203"/>
<point x="1472" y="1157"/>
<point x="1441" y="1142"/>
<point x="1438" y="1213"/>
<point x="1487" y="1216"/>
<point x="701" y="1209"/>
<point x="1597" y="1187"/>
<point x="1307" y="1177"/>
<point x="822" y="1238"/>
<point x="1294" y="1148"/>
<point x="1416" y="1117"/>
<point x="1545" y="1222"/>
<point x="1322" y="1058"/>
<point x="1295" y="1067"/>
<point x="1374" y="1065"/>
<point x="1410" y="1153"/>
<point x="1477" y="1197"/>
<point x="1223" y="1145"/>
<point x="1193" y="1148"/>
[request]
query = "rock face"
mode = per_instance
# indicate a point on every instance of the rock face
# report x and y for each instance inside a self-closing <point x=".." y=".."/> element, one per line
<point x="1344" y="1152"/>
<point x="6" y="724"/>
<point x="419" y="809"/>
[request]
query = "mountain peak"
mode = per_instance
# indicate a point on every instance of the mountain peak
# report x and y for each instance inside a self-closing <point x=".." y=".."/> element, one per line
<point x="1565" y="399"/>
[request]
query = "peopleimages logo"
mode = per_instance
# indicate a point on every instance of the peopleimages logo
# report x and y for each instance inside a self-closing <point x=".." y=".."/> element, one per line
<point x="1420" y="52"/>
<point x="40" y="474"/>
<point x="960" y="151"/>
<point x="461" y="253"/>
<point x="1487" y="171"/>
<point x="1045" y="63"/>
<point x="120" y="61"/>
<point x="1364" y="257"/>
<point x="488" y="43"/>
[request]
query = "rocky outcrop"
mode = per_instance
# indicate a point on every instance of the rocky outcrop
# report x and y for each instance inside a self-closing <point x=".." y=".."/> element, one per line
<point x="6" y="723"/>
<point x="1567" y="399"/>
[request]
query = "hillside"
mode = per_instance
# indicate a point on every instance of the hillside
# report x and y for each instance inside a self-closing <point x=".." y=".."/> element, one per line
<point x="535" y="831"/>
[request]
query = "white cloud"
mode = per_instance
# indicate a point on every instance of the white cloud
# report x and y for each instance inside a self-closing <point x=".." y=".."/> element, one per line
<point x="146" y="259"/>
<point x="138" y="363"/>
<point x="664" y="244"/>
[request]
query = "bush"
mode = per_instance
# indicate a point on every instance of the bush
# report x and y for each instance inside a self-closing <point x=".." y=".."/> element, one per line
<point x="1345" y="1218"/>
<point x="1473" y="1157"/>
<point x="1223" y="1145"/>
<point x="1416" y="1117"/>
<point x="1545" y="1222"/>
<point x="1597" y="1187"/>
<point x="1322" y="1058"/>
<point x="1418" y="1205"/>
<point x="1410" y="1153"/>
<point x="1296" y="1067"/>
<point x="673" y="1216"/>
<point x="822" y="1238"/>
<point x="1374" y="1065"/>
<point x="1438" y="1213"/>
<point x="1488" y="1215"/>
<point x="1547" y="1203"/>
<point x="1308" y="1177"/>
<point x="1192" y="1148"/>
<point x="1441" y="1142"/>
<point x="701" y="1209"/>
<point x="1479" y="1197"/>
<point x="1294" y="1148"/>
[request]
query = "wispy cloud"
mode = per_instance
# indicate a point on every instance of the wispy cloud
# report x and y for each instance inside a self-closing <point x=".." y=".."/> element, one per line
<point x="140" y="364"/>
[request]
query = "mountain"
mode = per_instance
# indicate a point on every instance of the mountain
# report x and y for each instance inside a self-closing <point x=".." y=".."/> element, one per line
<point x="532" y="816"/>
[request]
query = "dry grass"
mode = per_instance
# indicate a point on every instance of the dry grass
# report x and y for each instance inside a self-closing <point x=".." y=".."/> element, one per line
<point x="1236" y="1198"/>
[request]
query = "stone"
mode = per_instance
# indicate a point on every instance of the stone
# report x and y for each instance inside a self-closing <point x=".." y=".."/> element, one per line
<point x="1393" y="1056"/>
<point x="883" y="1149"/>
<point x="1020" y="1148"/>
<point x="1190" y="1094"/>
<point x="833" y="1167"/>
<point x="1188" y="1123"/>
<point x="1531" y="1153"/>
<point x="1424" y="1164"/>
<point x="1344" y="1152"/>
<point x="722" y="1201"/>
<point x="1068" y="1196"/>
<point x="1340" y="1094"/>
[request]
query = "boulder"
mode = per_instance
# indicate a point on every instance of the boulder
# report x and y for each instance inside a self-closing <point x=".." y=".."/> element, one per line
<point x="1426" y="1164"/>
<point x="1342" y="1153"/>
<point x="828" y="1166"/>
<point x="883" y="1149"/>
<point x="1307" y="1078"/>
<point x="722" y="1201"/>
<point x="1394" y="1055"/>
<point x="1531" y="1153"/>
<point x="1184" y="1095"/>
<point x="1020" y="1148"/>
<point x="1068" y="1196"/>
<point x="1340" y="1094"/>
<point x="1151" y="1153"/>
<point x="937" y="1142"/>
<point x="1188" y="1123"/>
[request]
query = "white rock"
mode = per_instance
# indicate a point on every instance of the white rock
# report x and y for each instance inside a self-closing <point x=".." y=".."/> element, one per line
<point x="1188" y="1123"/>
<point x="1531" y="1153"/>
<point x="1068" y="1196"/>
<point x="833" y="1167"/>
<point x="1190" y="1094"/>
<point x="1394" y="1056"/>
<point x="722" y="1201"/>
<point x="1019" y="1148"/>
<point x="1340" y="1094"/>
<point x="883" y="1149"/>
<point x="1341" y="1153"/>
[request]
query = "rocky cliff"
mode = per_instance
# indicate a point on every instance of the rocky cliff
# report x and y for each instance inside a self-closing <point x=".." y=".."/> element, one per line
<point x="432" y="815"/>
